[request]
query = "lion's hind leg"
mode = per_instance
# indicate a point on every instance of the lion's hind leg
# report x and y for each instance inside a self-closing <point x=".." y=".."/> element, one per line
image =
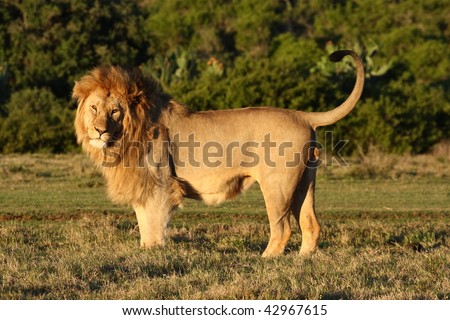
<point x="278" y="211"/>
<point x="303" y="210"/>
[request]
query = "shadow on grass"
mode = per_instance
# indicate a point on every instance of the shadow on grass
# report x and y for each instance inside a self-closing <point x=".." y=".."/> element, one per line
<point x="203" y="240"/>
<point x="336" y="295"/>
<point x="118" y="272"/>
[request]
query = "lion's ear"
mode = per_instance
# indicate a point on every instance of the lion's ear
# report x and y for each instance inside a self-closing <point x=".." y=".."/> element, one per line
<point x="76" y="92"/>
<point x="82" y="88"/>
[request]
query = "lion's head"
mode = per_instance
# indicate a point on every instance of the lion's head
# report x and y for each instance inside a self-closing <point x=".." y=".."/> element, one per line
<point x="114" y="102"/>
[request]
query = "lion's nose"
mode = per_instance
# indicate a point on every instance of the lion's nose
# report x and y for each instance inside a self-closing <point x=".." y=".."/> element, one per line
<point x="100" y="131"/>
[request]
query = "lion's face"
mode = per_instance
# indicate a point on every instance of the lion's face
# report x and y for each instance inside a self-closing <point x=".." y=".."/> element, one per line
<point x="114" y="102"/>
<point x="103" y="116"/>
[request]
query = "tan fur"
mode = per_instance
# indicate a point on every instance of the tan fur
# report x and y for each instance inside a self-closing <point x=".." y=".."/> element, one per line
<point x="137" y="135"/>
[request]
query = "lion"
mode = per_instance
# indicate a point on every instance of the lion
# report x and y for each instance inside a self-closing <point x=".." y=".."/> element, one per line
<point x="154" y="152"/>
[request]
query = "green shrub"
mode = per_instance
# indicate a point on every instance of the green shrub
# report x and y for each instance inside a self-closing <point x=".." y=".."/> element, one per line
<point x="229" y="53"/>
<point x="37" y="121"/>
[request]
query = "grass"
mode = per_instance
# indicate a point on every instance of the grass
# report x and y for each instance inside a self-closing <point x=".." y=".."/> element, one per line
<point x="384" y="237"/>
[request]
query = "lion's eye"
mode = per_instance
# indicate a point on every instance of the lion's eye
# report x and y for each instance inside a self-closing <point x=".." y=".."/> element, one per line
<point x="114" y="111"/>
<point x="94" y="108"/>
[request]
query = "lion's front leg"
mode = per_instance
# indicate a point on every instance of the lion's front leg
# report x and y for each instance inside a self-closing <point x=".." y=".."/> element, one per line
<point x="152" y="220"/>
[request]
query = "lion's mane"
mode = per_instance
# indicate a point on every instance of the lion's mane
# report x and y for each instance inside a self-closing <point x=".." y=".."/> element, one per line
<point x="123" y="161"/>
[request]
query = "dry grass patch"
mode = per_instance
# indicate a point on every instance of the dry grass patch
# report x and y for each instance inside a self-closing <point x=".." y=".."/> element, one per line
<point x="62" y="239"/>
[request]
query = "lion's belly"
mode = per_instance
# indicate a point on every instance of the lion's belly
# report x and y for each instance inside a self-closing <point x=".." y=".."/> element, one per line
<point x="216" y="186"/>
<point x="215" y="171"/>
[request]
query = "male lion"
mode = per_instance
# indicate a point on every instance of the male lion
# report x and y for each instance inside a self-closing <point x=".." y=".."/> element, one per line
<point x="154" y="152"/>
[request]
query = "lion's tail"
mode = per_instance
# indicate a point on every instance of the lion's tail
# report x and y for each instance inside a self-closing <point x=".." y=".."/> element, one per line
<point x="318" y="119"/>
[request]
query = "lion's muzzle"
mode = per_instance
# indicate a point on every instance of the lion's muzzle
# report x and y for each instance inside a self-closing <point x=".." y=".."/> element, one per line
<point x="97" y="143"/>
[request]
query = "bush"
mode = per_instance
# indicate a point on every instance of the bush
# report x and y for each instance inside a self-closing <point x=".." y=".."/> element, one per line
<point x="36" y="121"/>
<point x="228" y="53"/>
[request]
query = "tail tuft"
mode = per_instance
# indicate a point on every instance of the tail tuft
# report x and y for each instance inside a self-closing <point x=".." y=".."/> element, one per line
<point x="339" y="55"/>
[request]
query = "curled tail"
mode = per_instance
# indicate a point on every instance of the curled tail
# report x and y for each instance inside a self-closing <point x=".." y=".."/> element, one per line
<point x="319" y="119"/>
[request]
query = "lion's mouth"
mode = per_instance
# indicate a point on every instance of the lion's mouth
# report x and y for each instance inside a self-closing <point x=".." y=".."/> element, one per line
<point x="98" y="143"/>
<point x="99" y="140"/>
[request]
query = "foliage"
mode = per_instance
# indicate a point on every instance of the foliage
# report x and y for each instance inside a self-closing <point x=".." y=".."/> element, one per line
<point x="229" y="53"/>
<point x="36" y="121"/>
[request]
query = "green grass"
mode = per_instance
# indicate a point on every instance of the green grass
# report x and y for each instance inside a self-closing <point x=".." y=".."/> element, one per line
<point x="61" y="238"/>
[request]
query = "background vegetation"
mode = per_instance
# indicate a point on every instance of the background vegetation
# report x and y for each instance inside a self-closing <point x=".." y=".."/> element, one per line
<point x="226" y="53"/>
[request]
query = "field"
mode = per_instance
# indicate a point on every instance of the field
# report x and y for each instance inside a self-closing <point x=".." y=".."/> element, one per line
<point x="386" y="227"/>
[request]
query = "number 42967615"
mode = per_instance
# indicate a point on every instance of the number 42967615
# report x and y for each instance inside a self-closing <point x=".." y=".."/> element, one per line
<point x="296" y="310"/>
